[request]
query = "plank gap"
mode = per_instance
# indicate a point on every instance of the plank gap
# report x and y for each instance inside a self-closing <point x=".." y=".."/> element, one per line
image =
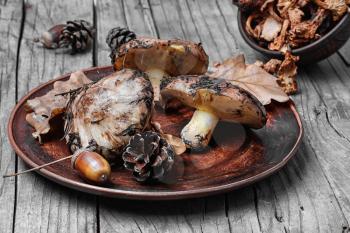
<point x="256" y="205"/>
<point x="23" y="17"/>
<point x="153" y="20"/>
<point x="124" y="15"/>
<point x="94" y="42"/>
<point x="226" y="205"/>
<point x="97" y="199"/>
<point x="329" y="183"/>
<point x="343" y="58"/>
<point x="94" y="63"/>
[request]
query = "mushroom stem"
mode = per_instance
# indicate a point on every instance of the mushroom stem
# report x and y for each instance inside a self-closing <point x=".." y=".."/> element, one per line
<point x="197" y="133"/>
<point x="155" y="76"/>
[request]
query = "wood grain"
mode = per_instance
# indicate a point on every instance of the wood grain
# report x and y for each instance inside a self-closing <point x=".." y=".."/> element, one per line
<point x="10" y="27"/>
<point x="125" y="13"/>
<point x="304" y="197"/>
<point x="122" y="216"/>
<point x="304" y="168"/>
<point x="43" y="206"/>
<point x="310" y="195"/>
<point x="345" y="53"/>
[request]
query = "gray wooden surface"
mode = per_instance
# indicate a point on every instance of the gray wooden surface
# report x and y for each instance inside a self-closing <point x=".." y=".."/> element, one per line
<point x="311" y="194"/>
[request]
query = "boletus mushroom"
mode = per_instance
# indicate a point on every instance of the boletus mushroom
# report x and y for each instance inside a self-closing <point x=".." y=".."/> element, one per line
<point x="107" y="114"/>
<point x="159" y="58"/>
<point x="214" y="100"/>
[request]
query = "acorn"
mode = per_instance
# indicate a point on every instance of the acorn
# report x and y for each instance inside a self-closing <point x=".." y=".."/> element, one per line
<point x="51" y="38"/>
<point x="92" y="167"/>
<point x="77" y="35"/>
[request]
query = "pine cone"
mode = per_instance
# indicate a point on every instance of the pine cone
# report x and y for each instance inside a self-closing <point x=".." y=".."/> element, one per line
<point x="78" y="35"/>
<point x="149" y="156"/>
<point x="116" y="37"/>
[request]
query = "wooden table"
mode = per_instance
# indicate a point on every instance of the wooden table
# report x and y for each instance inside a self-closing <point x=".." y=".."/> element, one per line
<point x="311" y="194"/>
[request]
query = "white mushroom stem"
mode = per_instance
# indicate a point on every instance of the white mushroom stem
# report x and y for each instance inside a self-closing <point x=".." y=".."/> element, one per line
<point x="197" y="133"/>
<point x="155" y="76"/>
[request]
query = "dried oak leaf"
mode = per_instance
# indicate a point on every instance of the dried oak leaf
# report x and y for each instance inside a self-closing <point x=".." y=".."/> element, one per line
<point x="337" y="7"/>
<point x="45" y="107"/>
<point x="178" y="145"/>
<point x="286" y="74"/>
<point x="251" y="78"/>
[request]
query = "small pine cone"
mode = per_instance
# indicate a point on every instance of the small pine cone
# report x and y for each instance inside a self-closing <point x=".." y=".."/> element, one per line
<point x="116" y="37"/>
<point x="78" y="35"/>
<point x="149" y="156"/>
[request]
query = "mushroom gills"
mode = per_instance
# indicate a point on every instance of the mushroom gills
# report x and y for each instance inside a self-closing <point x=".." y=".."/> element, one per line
<point x="156" y="75"/>
<point x="197" y="133"/>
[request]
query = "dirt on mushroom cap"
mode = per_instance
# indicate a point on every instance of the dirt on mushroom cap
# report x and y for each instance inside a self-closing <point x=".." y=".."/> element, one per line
<point x="108" y="113"/>
<point x="227" y="101"/>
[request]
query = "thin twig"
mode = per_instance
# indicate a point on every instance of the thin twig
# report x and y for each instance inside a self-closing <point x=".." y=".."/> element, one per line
<point x="38" y="167"/>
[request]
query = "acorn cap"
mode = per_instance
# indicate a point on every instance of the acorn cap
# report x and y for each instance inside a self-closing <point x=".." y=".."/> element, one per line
<point x="223" y="99"/>
<point x="175" y="57"/>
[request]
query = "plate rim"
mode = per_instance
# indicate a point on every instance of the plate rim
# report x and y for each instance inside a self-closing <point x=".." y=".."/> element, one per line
<point x="143" y="195"/>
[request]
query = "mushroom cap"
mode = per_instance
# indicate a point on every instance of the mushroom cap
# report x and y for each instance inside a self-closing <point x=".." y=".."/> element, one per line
<point x="109" y="113"/>
<point x="175" y="57"/>
<point x="223" y="99"/>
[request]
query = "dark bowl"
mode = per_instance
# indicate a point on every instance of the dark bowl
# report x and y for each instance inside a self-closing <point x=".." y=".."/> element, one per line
<point x="311" y="53"/>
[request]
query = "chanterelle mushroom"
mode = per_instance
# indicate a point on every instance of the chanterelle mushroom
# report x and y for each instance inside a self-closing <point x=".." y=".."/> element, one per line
<point x="159" y="58"/>
<point x="214" y="100"/>
<point x="108" y="113"/>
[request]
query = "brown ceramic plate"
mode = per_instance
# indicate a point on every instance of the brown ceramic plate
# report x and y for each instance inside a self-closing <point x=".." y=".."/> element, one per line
<point x="238" y="156"/>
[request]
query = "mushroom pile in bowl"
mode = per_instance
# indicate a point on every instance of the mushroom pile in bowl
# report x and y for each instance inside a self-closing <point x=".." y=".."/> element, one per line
<point x="312" y="30"/>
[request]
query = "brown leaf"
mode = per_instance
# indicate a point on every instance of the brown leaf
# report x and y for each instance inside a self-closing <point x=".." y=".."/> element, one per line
<point x="177" y="143"/>
<point x="45" y="107"/>
<point x="251" y="78"/>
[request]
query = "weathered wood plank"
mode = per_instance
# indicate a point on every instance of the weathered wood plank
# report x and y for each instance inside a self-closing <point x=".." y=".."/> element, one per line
<point x="10" y="27"/>
<point x="329" y="124"/>
<point x="43" y="206"/>
<point x="132" y="14"/>
<point x="198" y="215"/>
<point x="305" y="196"/>
<point x="278" y="208"/>
<point x="306" y="167"/>
<point x="345" y="53"/>
<point x="201" y="215"/>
